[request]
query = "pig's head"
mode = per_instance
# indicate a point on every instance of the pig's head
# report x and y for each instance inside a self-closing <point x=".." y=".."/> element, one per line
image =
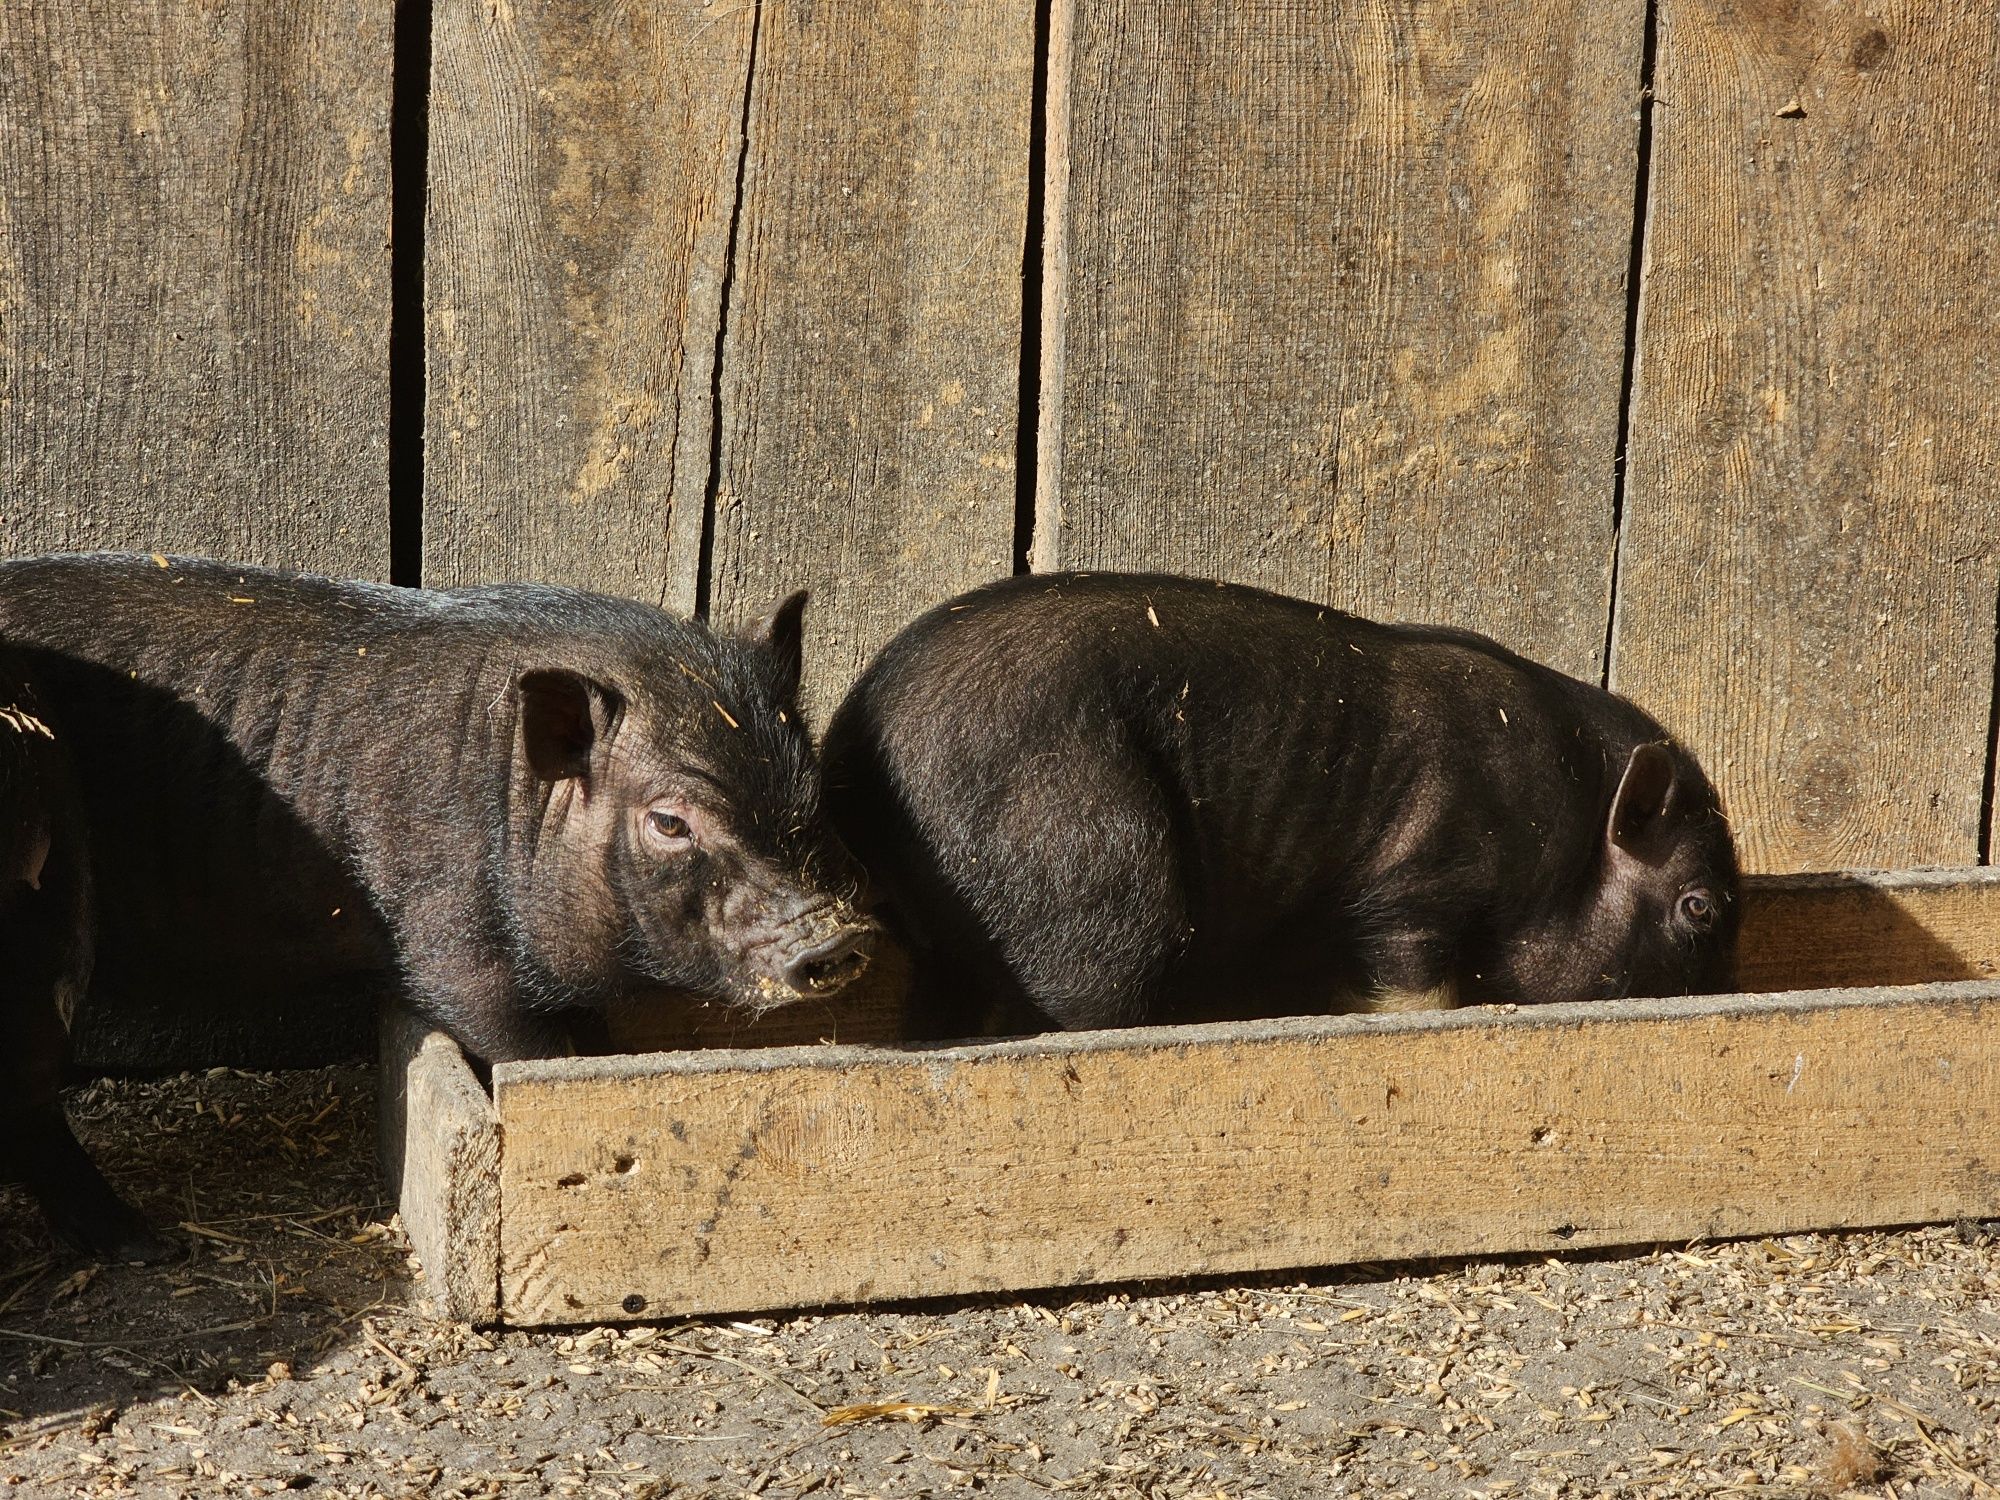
<point x="1654" y="909"/>
<point x="675" y="836"/>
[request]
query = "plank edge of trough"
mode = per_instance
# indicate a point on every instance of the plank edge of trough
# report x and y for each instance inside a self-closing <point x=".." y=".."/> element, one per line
<point x="1569" y="1014"/>
<point x="1917" y="879"/>
<point x="441" y="1160"/>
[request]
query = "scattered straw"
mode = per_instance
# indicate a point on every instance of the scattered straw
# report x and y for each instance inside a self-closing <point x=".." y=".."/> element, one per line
<point x="291" y="1345"/>
<point x="893" y="1410"/>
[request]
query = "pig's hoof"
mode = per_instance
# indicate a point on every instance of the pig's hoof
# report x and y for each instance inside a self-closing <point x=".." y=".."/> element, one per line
<point x="146" y="1248"/>
<point x="113" y="1235"/>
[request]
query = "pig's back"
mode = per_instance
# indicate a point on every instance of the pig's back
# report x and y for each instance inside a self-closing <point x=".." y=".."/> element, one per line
<point x="1306" y="760"/>
<point x="1221" y="685"/>
<point x="1184" y="666"/>
<point x="1042" y="650"/>
<point x="205" y="748"/>
<point x="1041" y="708"/>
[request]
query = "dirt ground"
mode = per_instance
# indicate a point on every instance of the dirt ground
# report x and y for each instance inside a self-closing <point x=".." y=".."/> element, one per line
<point x="289" y="1349"/>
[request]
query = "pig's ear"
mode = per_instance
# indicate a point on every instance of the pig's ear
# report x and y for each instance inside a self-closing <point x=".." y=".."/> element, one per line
<point x="1639" y="810"/>
<point x="782" y="633"/>
<point x="563" y="715"/>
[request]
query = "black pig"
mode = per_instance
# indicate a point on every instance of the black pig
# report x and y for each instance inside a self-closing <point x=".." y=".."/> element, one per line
<point x="517" y="802"/>
<point x="1113" y="799"/>
<point x="44" y="966"/>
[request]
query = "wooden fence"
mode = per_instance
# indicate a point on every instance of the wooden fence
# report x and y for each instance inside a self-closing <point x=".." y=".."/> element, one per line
<point x="699" y="300"/>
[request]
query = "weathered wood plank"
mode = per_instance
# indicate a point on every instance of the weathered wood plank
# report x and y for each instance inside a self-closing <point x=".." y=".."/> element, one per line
<point x="194" y="280"/>
<point x="870" y="375"/>
<point x="439" y="1142"/>
<point x="1804" y="932"/>
<point x="584" y="165"/>
<point x="1335" y="303"/>
<point x="731" y="1181"/>
<point x="1808" y="568"/>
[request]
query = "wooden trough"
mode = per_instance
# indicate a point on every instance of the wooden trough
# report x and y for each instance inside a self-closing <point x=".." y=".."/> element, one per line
<point x="1858" y="1084"/>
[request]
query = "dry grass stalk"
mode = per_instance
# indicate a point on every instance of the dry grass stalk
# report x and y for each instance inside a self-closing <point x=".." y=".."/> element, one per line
<point x="893" y="1409"/>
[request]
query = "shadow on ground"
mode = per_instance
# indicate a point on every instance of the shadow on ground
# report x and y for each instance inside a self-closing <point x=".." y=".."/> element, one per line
<point x="266" y="1184"/>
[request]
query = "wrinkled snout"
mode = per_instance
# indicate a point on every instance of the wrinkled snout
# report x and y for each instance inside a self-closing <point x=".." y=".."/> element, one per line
<point x="823" y="950"/>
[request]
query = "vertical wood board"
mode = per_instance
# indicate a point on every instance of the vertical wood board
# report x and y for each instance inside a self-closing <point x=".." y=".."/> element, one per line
<point x="728" y="1181"/>
<point x="870" y="376"/>
<point x="584" y="164"/>
<point x="1809" y="562"/>
<point x="440" y="1142"/>
<point x="1336" y="303"/>
<point x="194" y="280"/>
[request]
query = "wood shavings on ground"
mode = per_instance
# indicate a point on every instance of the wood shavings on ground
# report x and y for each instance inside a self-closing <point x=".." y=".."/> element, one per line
<point x="895" y="1411"/>
<point x="288" y="1350"/>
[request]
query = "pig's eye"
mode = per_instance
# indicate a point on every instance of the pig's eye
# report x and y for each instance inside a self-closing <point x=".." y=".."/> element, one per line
<point x="1697" y="909"/>
<point x="669" y="828"/>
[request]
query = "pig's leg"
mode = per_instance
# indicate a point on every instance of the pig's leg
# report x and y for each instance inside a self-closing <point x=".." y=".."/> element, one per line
<point x="588" y="1032"/>
<point x="1080" y="889"/>
<point x="44" y="1156"/>
<point x="951" y="1002"/>
<point x="479" y="1001"/>
<point x="1409" y="971"/>
<point x="42" y="934"/>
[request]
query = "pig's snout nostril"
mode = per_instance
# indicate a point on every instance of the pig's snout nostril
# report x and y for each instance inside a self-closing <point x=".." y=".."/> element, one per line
<point x="831" y="965"/>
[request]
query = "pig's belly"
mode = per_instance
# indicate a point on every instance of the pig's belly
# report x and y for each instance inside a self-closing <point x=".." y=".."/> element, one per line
<point x="1303" y="965"/>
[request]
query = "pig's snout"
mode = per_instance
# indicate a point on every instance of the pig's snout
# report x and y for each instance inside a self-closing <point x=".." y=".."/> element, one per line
<point x="810" y="950"/>
<point x="830" y="964"/>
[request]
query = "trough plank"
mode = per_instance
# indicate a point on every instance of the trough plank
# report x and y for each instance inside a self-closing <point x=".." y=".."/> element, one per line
<point x="1335" y="303"/>
<point x="870" y="378"/>
<point x="1807" y="580"/>
<point x="707" y="1182"/>
<point x="584" y="164"/>
<point x="194" y="280"/>
<point x="439" y="1143"/>
<point x="1820" y="931"/>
